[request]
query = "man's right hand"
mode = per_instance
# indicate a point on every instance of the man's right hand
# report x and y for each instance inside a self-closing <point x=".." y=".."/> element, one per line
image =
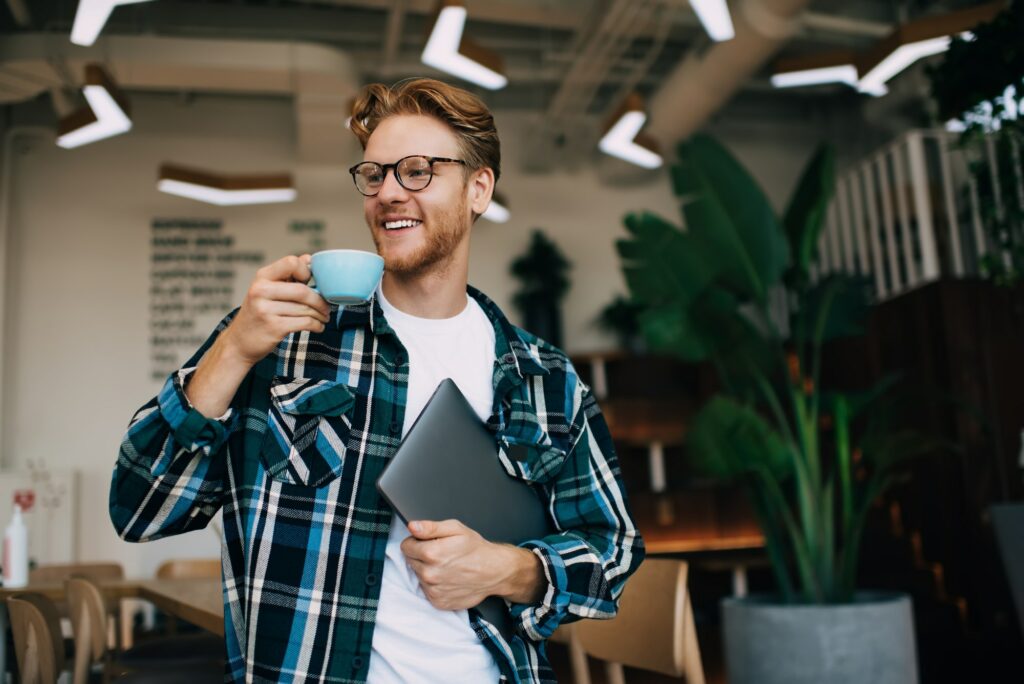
<point x="277" y="304"/>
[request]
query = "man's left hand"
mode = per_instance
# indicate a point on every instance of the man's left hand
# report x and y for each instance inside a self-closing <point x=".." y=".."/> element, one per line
<point x="458" y="568"/>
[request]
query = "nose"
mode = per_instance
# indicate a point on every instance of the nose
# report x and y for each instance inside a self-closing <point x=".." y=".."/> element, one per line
<point x="391" y="190"/>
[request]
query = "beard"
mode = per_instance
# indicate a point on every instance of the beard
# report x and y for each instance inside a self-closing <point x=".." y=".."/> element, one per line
<point x="446" y="230"/>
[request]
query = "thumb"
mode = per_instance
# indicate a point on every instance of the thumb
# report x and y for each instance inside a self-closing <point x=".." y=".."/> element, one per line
<point x="422" y="529"/>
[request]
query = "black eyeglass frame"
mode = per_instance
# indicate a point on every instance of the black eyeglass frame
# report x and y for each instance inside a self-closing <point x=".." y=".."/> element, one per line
<point x="398" y="177"/>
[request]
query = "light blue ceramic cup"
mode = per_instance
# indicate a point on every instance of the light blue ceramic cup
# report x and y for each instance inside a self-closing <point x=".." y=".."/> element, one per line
<point x="346" y="276"/>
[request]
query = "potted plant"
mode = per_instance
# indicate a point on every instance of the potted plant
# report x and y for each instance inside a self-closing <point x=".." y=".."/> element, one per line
<point x="979" y="88"/>
<point x="705" y="291"/>
<point x="542" y="273"/>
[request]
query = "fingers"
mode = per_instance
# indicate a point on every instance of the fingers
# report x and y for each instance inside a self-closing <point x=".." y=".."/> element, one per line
<point x="287" y="269"/>
<point x="433" y="529"/>
<point x="279" y="308"/>
<point x="296" y="293"/>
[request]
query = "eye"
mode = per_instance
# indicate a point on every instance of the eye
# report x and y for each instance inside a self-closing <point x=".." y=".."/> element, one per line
<point x="418" y="172"/>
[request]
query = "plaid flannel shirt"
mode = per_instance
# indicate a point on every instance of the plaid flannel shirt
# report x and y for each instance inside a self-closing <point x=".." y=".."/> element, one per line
<point x="294" y="462"/>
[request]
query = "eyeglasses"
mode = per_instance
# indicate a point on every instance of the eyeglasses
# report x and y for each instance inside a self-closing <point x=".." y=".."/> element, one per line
<point x="413" y="173"/>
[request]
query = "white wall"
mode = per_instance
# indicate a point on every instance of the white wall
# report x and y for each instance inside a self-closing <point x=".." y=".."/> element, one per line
<point x="77" y="355"/>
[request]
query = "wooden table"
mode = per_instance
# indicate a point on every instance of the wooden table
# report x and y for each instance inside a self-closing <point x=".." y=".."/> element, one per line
<point x="697" y="525"/>
<point x="198" y="601"/>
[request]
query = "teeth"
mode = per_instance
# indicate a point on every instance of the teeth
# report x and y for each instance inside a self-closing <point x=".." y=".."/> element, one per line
<point x="394" y="225"/>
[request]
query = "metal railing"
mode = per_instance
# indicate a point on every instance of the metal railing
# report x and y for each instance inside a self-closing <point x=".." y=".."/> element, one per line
<point x="910" y="213"/>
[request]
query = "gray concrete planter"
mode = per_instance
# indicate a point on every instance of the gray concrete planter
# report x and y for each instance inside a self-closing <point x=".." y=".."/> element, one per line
<point x="870" y="640"/>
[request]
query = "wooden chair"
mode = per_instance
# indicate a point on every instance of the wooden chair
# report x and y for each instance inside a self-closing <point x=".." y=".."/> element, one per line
<point x="38" y="643"/>
<point x="58" y="573"/>
<point x="189" y="568"/>
<point x="654" y="629"/>
<point x="192" y="657"/>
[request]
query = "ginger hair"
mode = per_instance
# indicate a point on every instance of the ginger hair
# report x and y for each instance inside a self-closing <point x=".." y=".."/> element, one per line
<point x="463" y="112"/>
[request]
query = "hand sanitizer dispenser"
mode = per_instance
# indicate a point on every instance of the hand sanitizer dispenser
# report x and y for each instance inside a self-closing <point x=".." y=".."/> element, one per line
<point x="16" y="551"/>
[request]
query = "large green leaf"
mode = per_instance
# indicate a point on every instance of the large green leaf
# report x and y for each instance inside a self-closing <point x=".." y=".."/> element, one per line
<point x="835" y="307"/>
<point x="728" y="440"/>
<point x="724" y="207"/>
<point x="805" y="214"/>
<point x="661" y="263"/>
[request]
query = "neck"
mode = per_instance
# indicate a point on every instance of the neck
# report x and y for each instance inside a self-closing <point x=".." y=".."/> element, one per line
<point x="440" y="293"/>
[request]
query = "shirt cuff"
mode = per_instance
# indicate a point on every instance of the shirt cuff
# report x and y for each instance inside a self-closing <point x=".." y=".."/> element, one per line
<point x="537" y="621"/>
<point x="191" y="429"/>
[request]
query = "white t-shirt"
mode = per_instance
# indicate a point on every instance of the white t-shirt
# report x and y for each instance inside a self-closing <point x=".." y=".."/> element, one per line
<point x="413" y="642"/>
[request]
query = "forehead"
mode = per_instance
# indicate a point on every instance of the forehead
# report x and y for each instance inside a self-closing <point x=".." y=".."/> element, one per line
<point x="399" y="136"/>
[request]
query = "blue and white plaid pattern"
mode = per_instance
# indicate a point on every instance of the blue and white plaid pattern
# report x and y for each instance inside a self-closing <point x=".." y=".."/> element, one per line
<point x="294" y="462"/>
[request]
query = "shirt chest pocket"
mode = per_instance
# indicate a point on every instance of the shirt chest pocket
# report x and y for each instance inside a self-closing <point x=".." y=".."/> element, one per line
<point x="308" y="427"/>
<point x="535" y="462"/>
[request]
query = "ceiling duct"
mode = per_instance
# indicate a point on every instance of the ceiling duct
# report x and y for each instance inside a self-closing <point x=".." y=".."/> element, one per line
<point x="701" y="84"/>
<point x="322" y="81"/>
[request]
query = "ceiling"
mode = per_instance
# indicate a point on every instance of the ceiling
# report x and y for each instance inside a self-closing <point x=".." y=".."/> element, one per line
<point x="566" y="59"/>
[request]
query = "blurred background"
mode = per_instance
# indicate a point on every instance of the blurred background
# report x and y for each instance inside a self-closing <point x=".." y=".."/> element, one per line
<point x="787" y="152"/>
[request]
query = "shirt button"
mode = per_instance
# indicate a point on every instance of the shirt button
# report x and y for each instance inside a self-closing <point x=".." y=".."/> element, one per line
<point x="400" y="360"/>
<point x="395" y="427"/>
<point x="357" y="663"/>
<point x="371" y="579"/>
<point x="509" y="358"/>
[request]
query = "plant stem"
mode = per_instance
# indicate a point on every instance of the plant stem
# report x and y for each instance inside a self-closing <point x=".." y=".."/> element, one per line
<point x="812" y="589"/>
<point x="841" y="417"/>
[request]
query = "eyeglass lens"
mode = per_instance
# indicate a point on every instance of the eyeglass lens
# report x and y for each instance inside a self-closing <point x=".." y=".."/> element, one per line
<point x="413" y="173"/>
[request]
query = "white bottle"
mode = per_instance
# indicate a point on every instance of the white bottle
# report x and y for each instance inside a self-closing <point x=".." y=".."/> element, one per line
<point x="16" y="552"/>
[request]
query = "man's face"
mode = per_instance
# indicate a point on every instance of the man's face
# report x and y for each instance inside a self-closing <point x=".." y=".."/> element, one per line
<point x="417" y="232"/>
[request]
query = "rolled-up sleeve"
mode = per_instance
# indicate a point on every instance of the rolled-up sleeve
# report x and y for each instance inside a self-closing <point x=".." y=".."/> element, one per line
<point x="171" y="465"/>
<point x="587" y="562"/>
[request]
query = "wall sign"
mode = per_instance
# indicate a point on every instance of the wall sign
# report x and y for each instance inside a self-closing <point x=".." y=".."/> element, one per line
<point x="193" y="264"/>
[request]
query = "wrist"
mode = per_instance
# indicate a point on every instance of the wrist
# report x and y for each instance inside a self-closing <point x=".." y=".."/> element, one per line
<point x="524" y="582"/>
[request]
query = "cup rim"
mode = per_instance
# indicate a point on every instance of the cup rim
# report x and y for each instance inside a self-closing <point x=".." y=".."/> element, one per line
<point x="347" y="251"/>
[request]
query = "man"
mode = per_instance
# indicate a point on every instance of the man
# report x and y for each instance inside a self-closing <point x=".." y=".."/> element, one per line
<point x="288" y="413"/>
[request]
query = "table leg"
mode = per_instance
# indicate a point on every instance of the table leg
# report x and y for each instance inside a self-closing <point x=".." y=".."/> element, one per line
<point x="739" y="580"/>
<point x="656" y="462"/>
<point x="4" y="627"/>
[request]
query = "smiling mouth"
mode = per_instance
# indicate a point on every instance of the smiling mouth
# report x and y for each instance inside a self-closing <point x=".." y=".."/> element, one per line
<point x="403" y="224"/>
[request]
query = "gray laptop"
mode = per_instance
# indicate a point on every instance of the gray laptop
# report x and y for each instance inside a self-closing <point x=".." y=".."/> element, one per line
<point x="447" y="467"/>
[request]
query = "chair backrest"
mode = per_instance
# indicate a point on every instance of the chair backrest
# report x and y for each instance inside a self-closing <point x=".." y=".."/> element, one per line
<point x="38" y="642"/>
<point x="189" y="568"/>
<point x="88" y="623"/>
<point x="654" y="629"/>
<point x="58" y="572"/>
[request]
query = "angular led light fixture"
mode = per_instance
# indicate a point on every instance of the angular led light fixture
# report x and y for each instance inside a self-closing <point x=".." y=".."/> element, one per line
<point x="449" y="51"/>
<point x="107" y="113"/>
<point x="898" y="60"/>
<point x="714" y="16"/>
<point x="623" y="139"/>
<point x="916" y="40"/>
<point x="497" y="211"/>
<point x="225" y="190"/>
<point x="833" y="67"/>
<point x="91" y="16"/>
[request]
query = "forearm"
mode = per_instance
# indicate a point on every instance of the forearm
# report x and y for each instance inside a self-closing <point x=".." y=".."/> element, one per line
<point x="217" y="377"/>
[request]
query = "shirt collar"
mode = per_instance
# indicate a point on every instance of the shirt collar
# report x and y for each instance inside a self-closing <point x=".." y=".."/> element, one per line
<point x="516" y="354"/>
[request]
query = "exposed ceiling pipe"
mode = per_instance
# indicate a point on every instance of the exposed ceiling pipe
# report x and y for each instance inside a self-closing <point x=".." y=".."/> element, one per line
<point x="701" y="85"/>
<point x="320" y="80"/>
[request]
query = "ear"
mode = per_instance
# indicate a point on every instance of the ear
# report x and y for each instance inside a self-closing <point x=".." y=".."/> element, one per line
<point x="480" y="188"/>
